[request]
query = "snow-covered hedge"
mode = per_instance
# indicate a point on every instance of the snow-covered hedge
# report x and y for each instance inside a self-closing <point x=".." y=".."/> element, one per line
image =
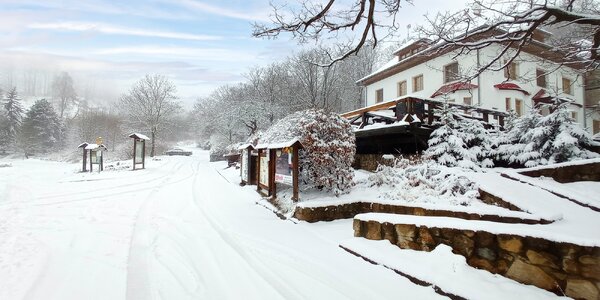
<point x="328" y="148"/>
<point x="424" y="182"/>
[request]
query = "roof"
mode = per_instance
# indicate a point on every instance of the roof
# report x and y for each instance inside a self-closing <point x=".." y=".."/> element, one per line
<point x="139" y="136"/>
<point x="283" y="144"/>
<point x="533" y="47"/>
<point x="510" y="86"/>
<point x="245" y="146"/>
<point x="82" y="145"/>
<point x="542" y="97"/>
<point x="95" y="146"/>
<point x="453" y="87"/>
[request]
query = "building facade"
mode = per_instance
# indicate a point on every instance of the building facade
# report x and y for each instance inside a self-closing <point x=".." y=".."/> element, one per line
<point x="535" y="77"/>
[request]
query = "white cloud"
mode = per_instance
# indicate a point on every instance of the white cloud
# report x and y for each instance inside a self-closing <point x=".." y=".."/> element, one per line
<point x="110" y="29"/>
<point x="205" y="54"/>
<point x="225" y="12"/>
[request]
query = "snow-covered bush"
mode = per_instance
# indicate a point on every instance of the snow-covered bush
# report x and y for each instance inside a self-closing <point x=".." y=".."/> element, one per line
<point x="540" y="140"/>
<point x="424" y="182"/>
<point x="459" y="141"/>
<point x="328" y="148"/>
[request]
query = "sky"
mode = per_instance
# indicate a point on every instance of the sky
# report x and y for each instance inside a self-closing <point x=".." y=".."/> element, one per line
<point x="108" y="45"/>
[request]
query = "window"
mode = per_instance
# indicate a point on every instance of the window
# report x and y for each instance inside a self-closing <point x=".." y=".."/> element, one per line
<point x="511" y="71"/>
<point x="574" y="115"/>
<point x="540" y="76"/>
<point x="508" y="106"/>
<point x="379" y="95"/>
<point x="417" y="83"/>
<point x="566" y="86"/>
<point x="519" y="107"/>
<point x="451" y="100"/>
<point x="451" y="72"/>
<point x="401" y="88"/>
<point x="596" y="126"/>
<point x="467" y="100"/>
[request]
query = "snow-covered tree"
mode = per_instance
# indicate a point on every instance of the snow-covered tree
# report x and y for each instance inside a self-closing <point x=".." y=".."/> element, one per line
<point x="42" y="128"/>
<point x="510" y="148"/>
<point x="459" y="142"/>
<point x="14" y="114"/>
<point x="539" y="140"/>
<point x="328" y="148"/>
<point x="63" y="92"/>
<point x="151" y="103"/>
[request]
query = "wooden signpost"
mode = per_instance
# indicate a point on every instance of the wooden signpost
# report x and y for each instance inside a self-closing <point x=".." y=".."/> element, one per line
<point x="139" y="150"/>
<point x="84" y="165"/>
<point x="278" y="164"/>
<point x="96" y="156"/>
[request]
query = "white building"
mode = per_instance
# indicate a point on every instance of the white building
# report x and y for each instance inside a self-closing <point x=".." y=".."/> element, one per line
<point x="417" y="69"/>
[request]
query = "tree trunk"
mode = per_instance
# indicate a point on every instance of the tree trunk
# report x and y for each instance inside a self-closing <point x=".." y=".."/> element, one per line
<point x="153" y="142"/>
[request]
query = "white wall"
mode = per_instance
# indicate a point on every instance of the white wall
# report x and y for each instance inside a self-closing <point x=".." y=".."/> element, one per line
<point x="491" y="97"/>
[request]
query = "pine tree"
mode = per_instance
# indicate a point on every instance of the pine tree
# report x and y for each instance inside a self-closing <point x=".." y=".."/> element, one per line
<point x="447" y="143"/>
<point x="14" y="115"/>
<point x="510" y="148"/>
<point x="42" y="128"/>
<point x="539" y="140"/>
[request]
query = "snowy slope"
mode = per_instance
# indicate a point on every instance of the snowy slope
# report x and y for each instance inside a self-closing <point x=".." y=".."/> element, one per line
<point x="176" y="230"/>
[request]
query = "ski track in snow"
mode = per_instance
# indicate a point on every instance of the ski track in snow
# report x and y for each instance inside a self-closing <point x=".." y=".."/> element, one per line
<point x="177" y="230"/>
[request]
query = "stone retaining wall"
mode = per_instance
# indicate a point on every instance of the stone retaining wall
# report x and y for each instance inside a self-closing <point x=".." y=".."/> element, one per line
<point x="370" y="162"/>
<point x="585" y="172"/>
<point x="349" y="210"/>
<point x="562" y="268"/>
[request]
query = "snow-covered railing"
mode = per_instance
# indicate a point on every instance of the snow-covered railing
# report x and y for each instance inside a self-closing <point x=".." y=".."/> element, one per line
<point x="420" y="110"/>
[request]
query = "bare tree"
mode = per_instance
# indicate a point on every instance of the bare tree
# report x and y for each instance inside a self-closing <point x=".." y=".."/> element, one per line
<point x="511" y="24"/>
<point x="151" y="103"/>
<point x="63" y="92"/>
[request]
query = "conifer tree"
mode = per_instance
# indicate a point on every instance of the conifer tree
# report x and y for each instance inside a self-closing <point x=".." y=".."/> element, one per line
<point x="42" y="128"/>
<point x="446" y="143"/>
<point x="14" y="115"/>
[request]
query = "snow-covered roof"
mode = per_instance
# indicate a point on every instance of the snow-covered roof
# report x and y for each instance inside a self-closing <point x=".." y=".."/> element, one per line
<point x="245" y="146"/>
<point x="139" y="136"/>
<point x="284" y="144"/>
<point x="280" y="135"/>
<point x="82" y="145"/>
<point x="95" y="146"/>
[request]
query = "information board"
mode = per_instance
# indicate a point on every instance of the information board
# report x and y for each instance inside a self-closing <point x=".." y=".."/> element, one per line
<point x="245" y="162"/>
<point x="264" y="171"/>
<point x="283" y="168"/>
<point x="139" y="151"/>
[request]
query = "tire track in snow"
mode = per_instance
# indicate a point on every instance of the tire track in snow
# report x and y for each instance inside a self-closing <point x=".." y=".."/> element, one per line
<point x="138" y="273"/>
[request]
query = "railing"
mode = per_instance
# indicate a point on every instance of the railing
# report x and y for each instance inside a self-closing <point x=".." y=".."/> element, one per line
<point x="410" y="108"/>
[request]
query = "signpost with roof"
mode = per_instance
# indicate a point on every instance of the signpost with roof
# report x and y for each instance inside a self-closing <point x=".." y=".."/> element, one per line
<point x="96" y="157"/>
<point x="247" y="165"/>
<point x="278" y="164"/>
<point x="84" y="166"/>
<point x="139" y="149"/>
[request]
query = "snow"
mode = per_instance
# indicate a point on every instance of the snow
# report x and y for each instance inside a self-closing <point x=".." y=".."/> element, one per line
<point x="563" y="164"/>
<point x="586" y="192"/>
<point x="382" y="125"/>
<point x="94" y="147"/>
<point x="139" y="136"/>
<point x="284" y="144"/>
<point x="446" y="270"/>
<point x="177" y="230"/>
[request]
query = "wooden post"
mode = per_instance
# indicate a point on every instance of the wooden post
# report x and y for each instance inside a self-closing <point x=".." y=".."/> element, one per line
<point x="258" y="170"/>
<point x="91" y="165"/>
<point x="295" y="172"/>
<point x="101" y="161"/>
<point x="272" y="188"/>
<point x="486" y="117"/>
<point x="84" y="160"/>
<point x="430" y="115"/>
<point x="501" y="121"/>
<point x="143" y="154"/>
<point x="134" y="152"/>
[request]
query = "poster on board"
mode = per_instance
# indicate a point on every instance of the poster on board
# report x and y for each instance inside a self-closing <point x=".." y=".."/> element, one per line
<point x="139" y="151"/>
<point x="264" y="171"/>
<point x="283" y="167"/>
<point x="245" y="162"/>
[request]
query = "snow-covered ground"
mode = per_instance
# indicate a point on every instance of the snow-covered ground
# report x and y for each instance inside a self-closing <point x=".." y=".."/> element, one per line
<point x="176" y="230"/>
